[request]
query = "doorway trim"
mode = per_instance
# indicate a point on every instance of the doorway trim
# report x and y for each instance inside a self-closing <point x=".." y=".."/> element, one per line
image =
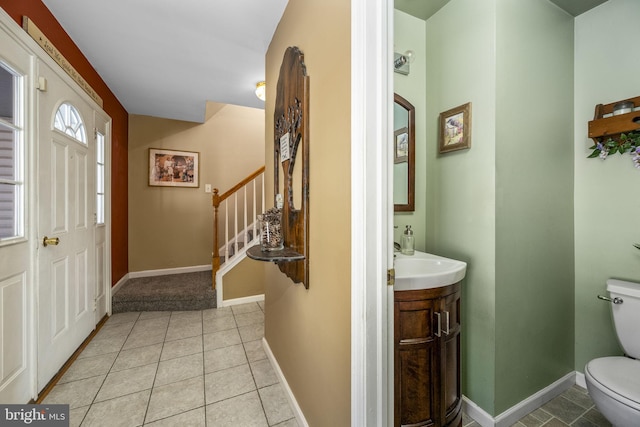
<point x="108" y="154"/>
<point x="371" y="97"/>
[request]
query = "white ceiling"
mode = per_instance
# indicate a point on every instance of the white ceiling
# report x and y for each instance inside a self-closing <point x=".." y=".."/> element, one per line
<point x="167" y="58"/>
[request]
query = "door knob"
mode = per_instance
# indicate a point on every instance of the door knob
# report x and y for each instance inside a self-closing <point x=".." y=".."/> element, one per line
<point x="50" y="241"/>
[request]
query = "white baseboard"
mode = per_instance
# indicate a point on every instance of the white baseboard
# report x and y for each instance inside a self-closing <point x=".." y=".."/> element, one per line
<point x="297" y="412"/>
<point x="167" y="271"/>
<point x="530" y="404"/>
<point x="581" y="380"/>
<point x="533" y="402"/>
<point x="118" y="285"/>
<point x="478" y="414"/>
<point x="243" y="300"/>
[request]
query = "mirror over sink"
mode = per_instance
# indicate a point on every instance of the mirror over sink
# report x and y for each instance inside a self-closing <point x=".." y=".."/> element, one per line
<point x="403" y="155"/>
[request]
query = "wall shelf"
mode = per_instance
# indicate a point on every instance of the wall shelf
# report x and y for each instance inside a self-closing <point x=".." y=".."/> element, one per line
<point x="602" y="128"/>
<point x="282" y="255"/>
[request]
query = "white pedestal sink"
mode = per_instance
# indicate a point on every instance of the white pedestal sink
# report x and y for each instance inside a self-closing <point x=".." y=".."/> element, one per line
<point x="425" y="271"/>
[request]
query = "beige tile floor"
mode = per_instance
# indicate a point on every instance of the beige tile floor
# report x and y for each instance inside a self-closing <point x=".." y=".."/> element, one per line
<point x="189" y="368"/>
<point x="208" y="368"/>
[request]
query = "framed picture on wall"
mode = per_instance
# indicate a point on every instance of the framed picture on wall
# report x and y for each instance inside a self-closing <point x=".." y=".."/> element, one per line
<point x="401" y="146"/>
<point x="455" y="129"/>
<point x="173" y="168"/>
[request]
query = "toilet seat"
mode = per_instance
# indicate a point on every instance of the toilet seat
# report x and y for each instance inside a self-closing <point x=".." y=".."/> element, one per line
<point x="617" y="377"/>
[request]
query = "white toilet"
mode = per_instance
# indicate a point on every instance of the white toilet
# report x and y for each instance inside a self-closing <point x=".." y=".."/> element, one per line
<point x="614" y="382"/>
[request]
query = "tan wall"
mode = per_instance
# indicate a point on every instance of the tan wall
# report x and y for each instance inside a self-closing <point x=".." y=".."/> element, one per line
<point x="172" y="227"/>
<point x="244" y="280"/>
<point x="309" y="331"/>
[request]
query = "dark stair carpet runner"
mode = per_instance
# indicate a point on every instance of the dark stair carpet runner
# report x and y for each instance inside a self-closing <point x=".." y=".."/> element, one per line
<point x="175" y="292"/>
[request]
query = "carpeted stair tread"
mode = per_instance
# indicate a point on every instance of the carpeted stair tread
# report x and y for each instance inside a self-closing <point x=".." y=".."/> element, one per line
<point x="175" y="292"/>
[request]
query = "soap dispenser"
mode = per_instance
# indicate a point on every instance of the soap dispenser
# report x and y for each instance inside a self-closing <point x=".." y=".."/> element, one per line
<point x="408" y="242"/>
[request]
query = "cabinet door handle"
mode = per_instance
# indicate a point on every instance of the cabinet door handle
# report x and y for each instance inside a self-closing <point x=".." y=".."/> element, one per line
<point x="446" y="322"/>
<point x="438" y="324"/>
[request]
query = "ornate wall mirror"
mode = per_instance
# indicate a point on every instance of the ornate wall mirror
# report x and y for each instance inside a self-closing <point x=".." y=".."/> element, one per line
<point x="291" y="168"/>
<point x="404" y="156"/>
<point x="291" y="146"/>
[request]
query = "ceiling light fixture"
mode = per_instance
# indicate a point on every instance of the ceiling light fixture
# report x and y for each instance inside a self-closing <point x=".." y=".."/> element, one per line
<point x="260" y="90"/>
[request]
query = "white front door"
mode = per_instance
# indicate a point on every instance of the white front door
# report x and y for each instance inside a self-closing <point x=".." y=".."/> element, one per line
<point x="66" y="206"/>
<point x="16" y="277"/>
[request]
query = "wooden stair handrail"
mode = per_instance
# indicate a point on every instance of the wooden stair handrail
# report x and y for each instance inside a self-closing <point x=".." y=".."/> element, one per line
<point x="216" y="199"/>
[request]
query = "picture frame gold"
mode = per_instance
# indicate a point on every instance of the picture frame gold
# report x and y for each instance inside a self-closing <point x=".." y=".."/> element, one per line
<point x="455" y="129"/>
<point x="174" y="168"/>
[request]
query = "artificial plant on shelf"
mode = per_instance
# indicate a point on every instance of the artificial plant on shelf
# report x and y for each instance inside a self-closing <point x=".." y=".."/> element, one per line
<point x="627" y="142"/>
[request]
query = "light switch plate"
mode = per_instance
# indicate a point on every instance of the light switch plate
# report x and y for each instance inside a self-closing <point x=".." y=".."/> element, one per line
<point x="207" y="188"/>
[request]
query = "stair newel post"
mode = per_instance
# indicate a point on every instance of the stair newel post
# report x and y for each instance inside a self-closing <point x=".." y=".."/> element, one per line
<point x="215" y="261"/>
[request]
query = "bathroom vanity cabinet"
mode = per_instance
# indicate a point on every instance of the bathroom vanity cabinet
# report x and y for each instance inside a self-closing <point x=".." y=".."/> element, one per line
<point x="427" y="357"/>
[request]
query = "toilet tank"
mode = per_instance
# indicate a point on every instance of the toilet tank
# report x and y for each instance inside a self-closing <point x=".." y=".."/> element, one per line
<point x="626" y="316"/>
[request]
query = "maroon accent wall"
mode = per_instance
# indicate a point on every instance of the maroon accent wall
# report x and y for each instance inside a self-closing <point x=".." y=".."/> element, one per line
<point x="42" y="17"/>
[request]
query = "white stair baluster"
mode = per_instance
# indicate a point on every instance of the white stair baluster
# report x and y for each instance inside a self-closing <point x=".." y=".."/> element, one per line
<point x="226" y="231"/>
<point x="254" y="209"/>
<point x="262" y="196"/>
<point x="244" y="227"/>
<point x="235" y="223"/>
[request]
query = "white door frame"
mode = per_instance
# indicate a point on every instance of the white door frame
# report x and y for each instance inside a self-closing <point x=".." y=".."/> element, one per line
<point x="371" y="97"/>
<point x="20" y="384"/>
<point x="101" y="115"/>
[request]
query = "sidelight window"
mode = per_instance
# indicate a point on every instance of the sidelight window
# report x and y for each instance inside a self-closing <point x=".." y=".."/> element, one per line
<point x="100" y="178"/>
<point x="11" y="154"/>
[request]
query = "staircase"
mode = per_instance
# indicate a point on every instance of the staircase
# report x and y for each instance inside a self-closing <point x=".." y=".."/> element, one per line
<point x="172" y="292"/>
<point x="234" y="224"/>
<point x="244" y="238"/>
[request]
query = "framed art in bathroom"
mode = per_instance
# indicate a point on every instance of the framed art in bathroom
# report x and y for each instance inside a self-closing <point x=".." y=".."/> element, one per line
<point x="455" y="129"/>
<point x="173" y="168"/>
<point x="401" y="145"/>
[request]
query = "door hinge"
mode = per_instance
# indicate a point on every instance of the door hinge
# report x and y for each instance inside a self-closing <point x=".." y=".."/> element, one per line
<point x="95" y="305"/>
<point x="391" y="277"/>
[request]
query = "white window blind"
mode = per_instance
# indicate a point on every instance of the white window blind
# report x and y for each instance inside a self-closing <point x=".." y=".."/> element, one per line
<point x="11" y="154"/>
<point x="99" y="178"/>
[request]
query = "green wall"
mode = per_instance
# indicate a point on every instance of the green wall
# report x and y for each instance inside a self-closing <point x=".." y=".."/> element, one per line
<point x="505" y="205"/>
<point x="461" y="185"/>
<point x="409" y="34"/>
<point x="607" y="205"/>
<point x="541" y="226"/>
<point x="534" y="199"/>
